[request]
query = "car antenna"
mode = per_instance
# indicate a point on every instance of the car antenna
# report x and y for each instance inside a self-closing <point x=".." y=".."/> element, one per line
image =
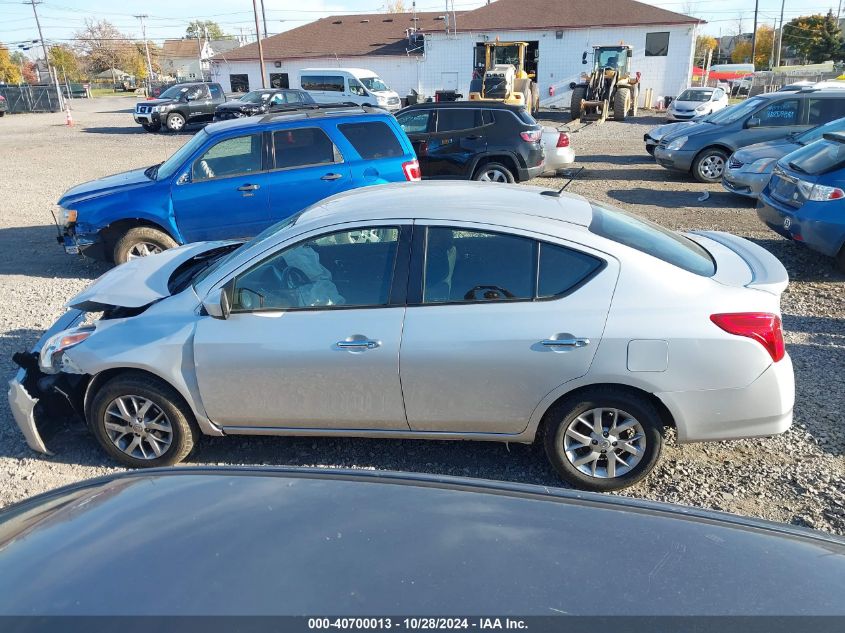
<point x="556" y="194"/>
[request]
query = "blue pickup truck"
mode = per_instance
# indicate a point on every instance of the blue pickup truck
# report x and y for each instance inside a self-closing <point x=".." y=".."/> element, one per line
<point x="235" y="178"/>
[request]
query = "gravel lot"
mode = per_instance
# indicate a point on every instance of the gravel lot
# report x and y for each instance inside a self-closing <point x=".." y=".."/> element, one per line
<point x="797" y="478"/>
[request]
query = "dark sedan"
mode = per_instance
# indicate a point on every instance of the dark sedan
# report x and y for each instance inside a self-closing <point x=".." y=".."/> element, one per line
<point x="260" y="102"/>
<point x="332" y="542"/>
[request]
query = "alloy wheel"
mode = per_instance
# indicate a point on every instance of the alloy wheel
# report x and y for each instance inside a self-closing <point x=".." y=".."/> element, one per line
<point x="712" y="167"/>
<point x="138" y="427"/>
<point x="493" y="175"/>
<point x="604" y="443"/>
<point x="143" y="249"/>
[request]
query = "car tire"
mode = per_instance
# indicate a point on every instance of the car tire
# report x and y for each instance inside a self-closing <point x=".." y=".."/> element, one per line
<point x="175" y="122"/>
<point x="2" y="114"/>
<point x="579" y="93"/>
<point x="493" y="172"/>
<point x="840" y="260"/>
<point x="709" y="165"/>
<point x="576" y="461"/>
<point x="135" y="414"/>
<point x="151" y="127"/>
<point x="620" y="103"/>
<point x="141" y="241"/>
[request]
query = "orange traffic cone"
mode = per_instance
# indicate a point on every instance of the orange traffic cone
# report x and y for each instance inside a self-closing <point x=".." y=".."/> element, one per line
<point x="69" y="118"/>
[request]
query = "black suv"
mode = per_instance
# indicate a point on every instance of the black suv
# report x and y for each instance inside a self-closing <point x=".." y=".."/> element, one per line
<point x="261" y="102"/>
<point x="180" y="105"/>
<point x="474" y="140"/>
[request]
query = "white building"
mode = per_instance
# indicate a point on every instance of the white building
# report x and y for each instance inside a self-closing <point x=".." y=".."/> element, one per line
<point x="189" y="58"/>
<point x="440" y="51"/>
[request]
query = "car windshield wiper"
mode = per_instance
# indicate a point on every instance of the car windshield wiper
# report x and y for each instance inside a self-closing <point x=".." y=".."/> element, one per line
<point x="796" y="167"/>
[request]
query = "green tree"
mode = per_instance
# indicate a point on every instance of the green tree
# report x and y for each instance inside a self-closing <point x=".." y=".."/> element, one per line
<point x="704" y="43"/>
<point x="814" y="38"/>
<point x="765" y="41"/>
<point x="10" y="72"/>
<point x="200" y="27"/>
<point x="65" y="60"/>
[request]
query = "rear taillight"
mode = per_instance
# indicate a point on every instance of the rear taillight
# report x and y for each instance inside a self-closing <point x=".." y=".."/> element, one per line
<point x="763" y="327"/>
<point x="563" y="140"/>
<point x="412" y="170"/>
<point x="531" y="136"/>
<point x="819" y="193"/>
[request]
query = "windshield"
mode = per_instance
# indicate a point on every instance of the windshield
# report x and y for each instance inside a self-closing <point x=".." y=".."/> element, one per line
<point x="817" y="158"/>
<point x="613" y="58"/>
<point x="695" y="95"/>
<point x="169" y="167"/>
<point x="817" y="132"/>
<point x="270" y="231"/>
<point x="174" y="92"/>
<point x="255" y="96"/>
<point x="736" y="112"/>
<point x="652" y="239"/>
<point x="374" y="84"/>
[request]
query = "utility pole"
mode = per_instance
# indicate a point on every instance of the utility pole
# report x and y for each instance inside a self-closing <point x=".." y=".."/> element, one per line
<point x="754" y="34"/>
<point x="199" y="53"/>
<point x="147" y="50"/>
<point x="260" y="47"/>
<point x="54" y="78"/>
<point x="264" y="17"/>
<point x="780" y="33"/>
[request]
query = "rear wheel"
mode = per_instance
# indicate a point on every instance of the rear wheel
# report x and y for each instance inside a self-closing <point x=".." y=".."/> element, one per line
<point x="141" y="421"/>
<point x="603" y="439"/>
<point x="493" y="172"/>
<point x="709" y="165"/>
<point x="175" y="122"/>
<point x="621" y="103"/>
<point x="579" y="93"/>
<point x="141" y="241"/>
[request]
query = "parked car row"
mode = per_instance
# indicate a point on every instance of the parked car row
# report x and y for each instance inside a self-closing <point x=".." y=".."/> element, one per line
<point x="786" y="148"/>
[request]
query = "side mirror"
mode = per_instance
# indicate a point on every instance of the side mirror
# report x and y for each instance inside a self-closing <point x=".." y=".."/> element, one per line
<point x="217" y="304"/>
<point x="584" y="57"/>
<point x="752" y="122"/>
<point x="184" y="179"/>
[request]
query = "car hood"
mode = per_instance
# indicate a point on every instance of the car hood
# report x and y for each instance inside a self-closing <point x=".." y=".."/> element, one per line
<point x="688" y="105"/>
<point x="157" y="102"/>
<point x="694" y="127"/>
<point x="238" y="106"/>
<point x="769" y="149"/>
<point x="669" y="128"/>
<point x="95" y="188"/>
<point x="138" y="282"/>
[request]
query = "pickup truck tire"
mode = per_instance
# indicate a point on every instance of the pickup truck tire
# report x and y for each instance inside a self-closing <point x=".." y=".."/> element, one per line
<point x="175" y="121"/>
<point x="141" y="241"/>
<point x="151" y="127"/>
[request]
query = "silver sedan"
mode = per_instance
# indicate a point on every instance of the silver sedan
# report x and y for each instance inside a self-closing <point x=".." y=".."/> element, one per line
<point x="436" y="311"/>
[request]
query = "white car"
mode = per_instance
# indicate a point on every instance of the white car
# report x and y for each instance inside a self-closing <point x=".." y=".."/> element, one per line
<point x="695" y="103"/>
<point x="558" y="149"/>
<point x="434" y="310"/>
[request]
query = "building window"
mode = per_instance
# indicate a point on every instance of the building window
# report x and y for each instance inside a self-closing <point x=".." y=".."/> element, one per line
<point x="239" y="83"/>
<point x="279" y="80"/>
<point x="657" y="44"/>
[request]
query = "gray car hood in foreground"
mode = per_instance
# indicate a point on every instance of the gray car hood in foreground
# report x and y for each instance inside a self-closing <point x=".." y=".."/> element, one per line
<point x="309" y="541"/>
<point x="769" y="149"/>
<point x="138" y="282"/>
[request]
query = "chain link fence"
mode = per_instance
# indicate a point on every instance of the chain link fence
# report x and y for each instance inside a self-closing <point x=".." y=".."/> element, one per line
<point x="27" y="98"/>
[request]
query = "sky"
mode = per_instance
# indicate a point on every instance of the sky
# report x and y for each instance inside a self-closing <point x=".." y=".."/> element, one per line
<point x="60" y="19"/>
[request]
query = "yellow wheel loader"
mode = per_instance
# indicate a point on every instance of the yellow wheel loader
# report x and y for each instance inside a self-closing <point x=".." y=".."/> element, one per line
<point x="505" y="78"/>
<point x="609" y="89"/>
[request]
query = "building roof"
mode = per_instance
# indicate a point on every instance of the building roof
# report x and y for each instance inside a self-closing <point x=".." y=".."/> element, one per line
<point x="344" y="36"/>
<point x="180" y="48"/>
<point x="567" y="14"/>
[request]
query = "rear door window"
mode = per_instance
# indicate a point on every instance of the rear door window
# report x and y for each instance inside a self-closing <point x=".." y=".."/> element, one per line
<point x="652" y="239"/>
<point x="372" y="139"/>
<point x="327" y="83"/>
<point x="780" y="113"/>
<point x="456" y="119"/>
<point x="415" y="122"/>
<point x="825" y="110"/>
<point x="216" y="92"/>
<point x="302" y="147"/>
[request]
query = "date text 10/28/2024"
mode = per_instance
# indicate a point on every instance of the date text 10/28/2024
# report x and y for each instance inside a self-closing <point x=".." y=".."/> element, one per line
<point x="413" y="624"/>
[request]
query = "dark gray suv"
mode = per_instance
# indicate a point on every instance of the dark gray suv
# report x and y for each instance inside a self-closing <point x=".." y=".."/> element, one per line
<point x="703" y="149"/>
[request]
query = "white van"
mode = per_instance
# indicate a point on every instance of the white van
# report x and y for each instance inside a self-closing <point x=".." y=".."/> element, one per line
<point x="351" y="85"/>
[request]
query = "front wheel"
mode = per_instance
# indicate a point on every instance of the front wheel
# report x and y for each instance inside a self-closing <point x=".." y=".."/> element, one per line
<point x="603" y="439"/>
<point x="709" y="165"/>
<point x="142" y="421"/>
<point x="141" y="241"/>
<point x="579" y="93"/>
<point x="494" y="172"/>
<point x="175" y="122"/>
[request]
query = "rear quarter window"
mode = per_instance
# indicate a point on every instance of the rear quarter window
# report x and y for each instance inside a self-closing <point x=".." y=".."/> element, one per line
<point x="372" y="139"/>
<point x="652" y="239"/>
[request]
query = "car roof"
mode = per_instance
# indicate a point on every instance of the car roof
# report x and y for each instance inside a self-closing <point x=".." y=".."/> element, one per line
<point x="351" y="71"/>
<point x="498" y="105"/>
<point x="506" y="205"/>
<point x="312" y="114"/>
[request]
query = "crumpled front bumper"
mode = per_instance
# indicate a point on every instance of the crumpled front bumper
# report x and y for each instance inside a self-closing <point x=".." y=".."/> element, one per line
<point x="25" y="392"/>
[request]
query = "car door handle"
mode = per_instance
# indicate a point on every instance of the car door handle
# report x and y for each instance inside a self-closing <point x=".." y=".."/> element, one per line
<point x="249" y="187"/>
<point x="358" y="344"/>
<point x="331" y="177"/>
<point x="566" y="342"/>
